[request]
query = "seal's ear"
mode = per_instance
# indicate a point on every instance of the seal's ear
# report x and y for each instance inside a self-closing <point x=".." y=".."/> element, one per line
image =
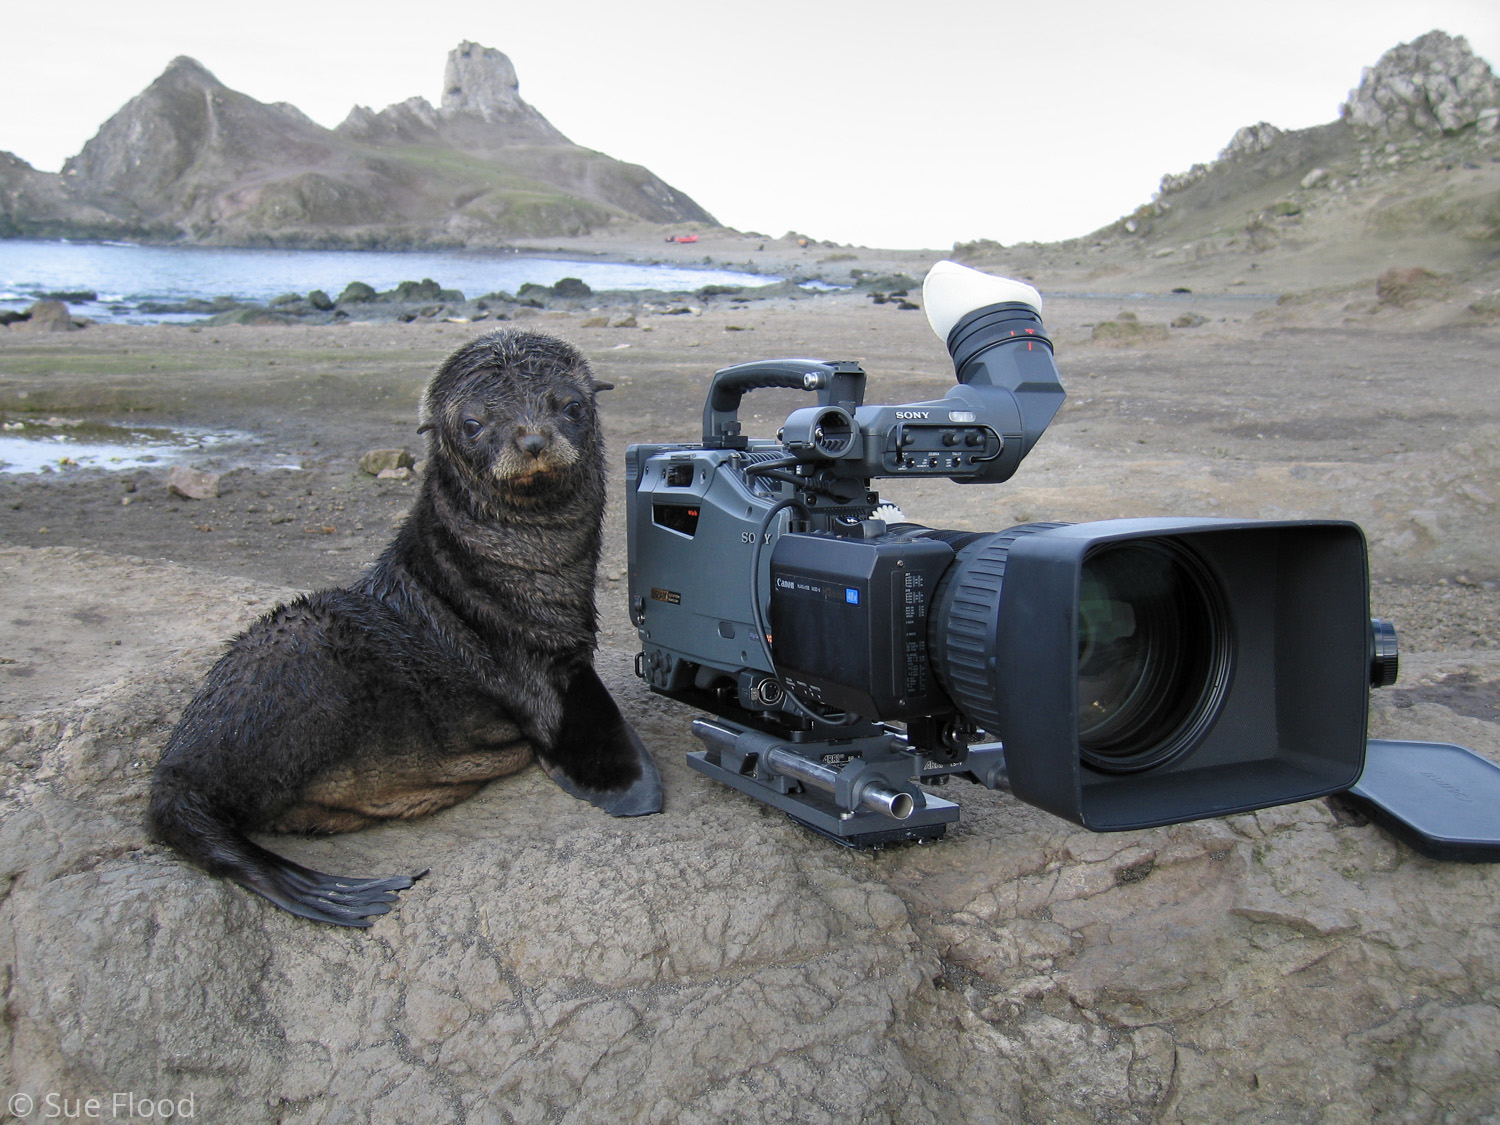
<point x="598" y="386"/>
<point x="425" y="426"/>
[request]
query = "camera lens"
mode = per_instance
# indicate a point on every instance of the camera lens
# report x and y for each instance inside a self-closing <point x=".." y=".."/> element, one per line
<point x="1152" y="654"/>
<point x="1154" y="644"/>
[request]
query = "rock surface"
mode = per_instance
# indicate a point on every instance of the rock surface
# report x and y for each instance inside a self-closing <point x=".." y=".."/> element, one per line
<point x="377" y="461"/>
<point x="481" y="82"/>
<point x="45" y="316"/>
<point x="192" y="484"/>
<point x="715" y="963"/>
<point x="1434" y="84"/>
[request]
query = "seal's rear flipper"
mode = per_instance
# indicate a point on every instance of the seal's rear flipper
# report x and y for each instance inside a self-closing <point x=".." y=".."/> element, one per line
<point x="190" y="824"/>
<point x="336" y="899"/>
<point x="598" y="757"/>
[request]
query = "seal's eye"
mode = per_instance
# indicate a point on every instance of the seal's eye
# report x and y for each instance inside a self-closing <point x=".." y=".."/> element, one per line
<point x="473" y="427"/>
<point x="573" y="412"/>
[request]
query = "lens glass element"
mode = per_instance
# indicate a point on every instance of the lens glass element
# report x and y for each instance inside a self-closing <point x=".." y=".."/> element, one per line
<point x="1153" y="654"/>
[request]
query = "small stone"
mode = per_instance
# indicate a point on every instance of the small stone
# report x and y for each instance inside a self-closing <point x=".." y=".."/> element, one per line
<point x="377" y="460"/>
<point x="401" y="473"/>
<point x="596" y="322"/>
<point x="192" y="484"/>
<point x="626" y="321"/>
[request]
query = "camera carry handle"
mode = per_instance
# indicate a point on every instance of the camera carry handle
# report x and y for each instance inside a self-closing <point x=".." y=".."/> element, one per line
<point x="837" y="383"/>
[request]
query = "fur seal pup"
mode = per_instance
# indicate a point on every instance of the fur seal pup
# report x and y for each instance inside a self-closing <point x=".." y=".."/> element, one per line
<point x="462" y="652"/>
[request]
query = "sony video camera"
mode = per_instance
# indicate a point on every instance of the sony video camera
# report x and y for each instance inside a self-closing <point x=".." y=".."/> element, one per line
<point x="1120" y="674"/>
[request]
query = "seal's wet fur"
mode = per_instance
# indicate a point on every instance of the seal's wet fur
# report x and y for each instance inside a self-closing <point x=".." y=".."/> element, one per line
<point x="464" y="649"/>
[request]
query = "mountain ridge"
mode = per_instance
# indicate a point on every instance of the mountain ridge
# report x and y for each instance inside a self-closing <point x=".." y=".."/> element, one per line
<point x="1408" y="175"/>
<point x="189" y="159"/>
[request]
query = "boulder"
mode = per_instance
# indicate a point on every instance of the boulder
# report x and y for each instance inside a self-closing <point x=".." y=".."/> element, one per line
<point x="47" y="316"/>
<point x="320" y="301"/>
<point x="417" y="292"/>
<point x="571" y="287"/>
<point x="356" y="293"/>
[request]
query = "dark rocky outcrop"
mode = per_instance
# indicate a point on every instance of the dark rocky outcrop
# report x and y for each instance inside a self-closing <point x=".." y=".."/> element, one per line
<point x="191" y="159"/>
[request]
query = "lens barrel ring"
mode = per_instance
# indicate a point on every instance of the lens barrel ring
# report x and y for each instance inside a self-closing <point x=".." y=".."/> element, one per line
<point x="961" y="629"/>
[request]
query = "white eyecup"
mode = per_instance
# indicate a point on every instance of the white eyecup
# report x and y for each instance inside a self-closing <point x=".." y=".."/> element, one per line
<point x="951" y="292"/>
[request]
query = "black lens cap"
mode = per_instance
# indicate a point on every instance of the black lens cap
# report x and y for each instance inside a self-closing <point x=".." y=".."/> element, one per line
<point x="1442" y="799"/>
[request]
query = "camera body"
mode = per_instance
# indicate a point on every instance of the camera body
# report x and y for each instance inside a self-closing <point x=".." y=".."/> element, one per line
<point x="1120" y="673"/>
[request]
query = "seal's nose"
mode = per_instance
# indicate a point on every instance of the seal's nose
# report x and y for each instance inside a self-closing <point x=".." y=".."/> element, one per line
<point x="534" y="444"/>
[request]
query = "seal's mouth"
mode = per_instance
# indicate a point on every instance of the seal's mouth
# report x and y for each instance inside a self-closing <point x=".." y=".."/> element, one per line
<point x="530" y="485"/>
<point x="509" y="472"/>
<point x="527" y="480"/>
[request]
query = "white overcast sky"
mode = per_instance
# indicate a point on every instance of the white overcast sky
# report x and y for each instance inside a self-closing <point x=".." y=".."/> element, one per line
<point x="893" y="123"/>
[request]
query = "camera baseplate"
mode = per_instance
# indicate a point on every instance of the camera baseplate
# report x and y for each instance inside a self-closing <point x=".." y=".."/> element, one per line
<point x="859" y="792"/>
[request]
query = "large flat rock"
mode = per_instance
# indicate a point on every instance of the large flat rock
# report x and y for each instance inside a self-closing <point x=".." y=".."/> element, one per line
<point x="714" y="963"/>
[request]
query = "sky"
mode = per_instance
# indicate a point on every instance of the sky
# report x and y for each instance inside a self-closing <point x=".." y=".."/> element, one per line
<point x="885" y="123"/>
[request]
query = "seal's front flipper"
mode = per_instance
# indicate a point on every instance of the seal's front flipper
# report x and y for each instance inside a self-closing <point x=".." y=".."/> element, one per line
<point x="598" y="757"/>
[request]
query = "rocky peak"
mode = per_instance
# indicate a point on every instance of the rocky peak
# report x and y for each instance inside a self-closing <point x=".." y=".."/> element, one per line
<point x="411" y="120"/>
<point x="1250" y="139"/>
<point x="481" y="108"/>
<point x="482" y="81"/>
<point x="185" y="130"/>
<point x="1434" y="84"/>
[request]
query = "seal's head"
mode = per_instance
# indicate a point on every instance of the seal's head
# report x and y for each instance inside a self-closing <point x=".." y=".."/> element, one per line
<point x="511" y="418"/>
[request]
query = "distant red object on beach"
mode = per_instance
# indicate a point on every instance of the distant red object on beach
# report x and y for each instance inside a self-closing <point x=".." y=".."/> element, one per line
<point x="682" y="238"/>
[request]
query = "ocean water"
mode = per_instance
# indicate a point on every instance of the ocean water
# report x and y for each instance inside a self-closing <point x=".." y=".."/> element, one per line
<point x="126" y="276"/>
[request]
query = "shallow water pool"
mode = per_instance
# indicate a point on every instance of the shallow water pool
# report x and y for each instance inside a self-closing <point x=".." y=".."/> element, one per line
<point x="60" y="445"/>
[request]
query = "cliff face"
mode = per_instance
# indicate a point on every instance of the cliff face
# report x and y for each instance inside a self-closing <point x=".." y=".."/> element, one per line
<point x="191" y="159"/>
